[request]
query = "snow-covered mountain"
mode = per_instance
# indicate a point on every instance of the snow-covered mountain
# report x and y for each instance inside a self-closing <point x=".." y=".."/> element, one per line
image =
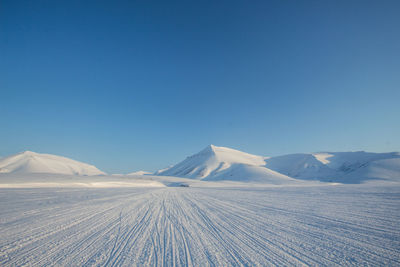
<point x="31" y="162"/>
<point x="345" y="167"/>
<point x="221" y="163"/>
<point x="210" y="161"/>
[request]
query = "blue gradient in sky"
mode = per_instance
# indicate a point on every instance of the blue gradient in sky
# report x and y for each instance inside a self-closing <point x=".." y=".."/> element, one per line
<point x="129" y="85"/>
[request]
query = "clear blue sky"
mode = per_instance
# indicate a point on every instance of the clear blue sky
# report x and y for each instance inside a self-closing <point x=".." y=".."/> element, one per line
<point x="130" y="85"/>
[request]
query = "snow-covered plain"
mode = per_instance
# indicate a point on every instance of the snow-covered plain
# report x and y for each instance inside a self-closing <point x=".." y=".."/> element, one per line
<point x="331" y="225"/>
<point x="40" y="180"/>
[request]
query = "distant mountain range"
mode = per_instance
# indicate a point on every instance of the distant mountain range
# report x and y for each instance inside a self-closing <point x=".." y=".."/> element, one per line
<point x="220" y="163"/>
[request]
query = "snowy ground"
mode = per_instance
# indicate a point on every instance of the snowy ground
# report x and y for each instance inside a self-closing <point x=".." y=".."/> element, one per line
<point x="316" y="225"/>
<point x="41" y="180"/>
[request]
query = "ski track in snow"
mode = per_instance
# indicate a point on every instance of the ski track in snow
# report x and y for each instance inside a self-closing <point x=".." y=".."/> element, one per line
<point x="330" y="225"/>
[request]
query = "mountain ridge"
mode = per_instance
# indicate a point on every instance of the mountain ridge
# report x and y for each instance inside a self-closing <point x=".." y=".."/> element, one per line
<point x="221" y="163"/>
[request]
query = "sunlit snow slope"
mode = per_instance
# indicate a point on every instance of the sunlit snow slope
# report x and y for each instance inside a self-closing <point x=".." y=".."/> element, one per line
<point x="221" y="163"/>
<point x="31" y="162"/>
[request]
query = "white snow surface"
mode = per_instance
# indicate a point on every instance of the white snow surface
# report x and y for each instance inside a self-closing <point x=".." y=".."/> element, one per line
<point x="31" y="162"/>
<point x="342" y="225"/>
<point x="38" y="180"/>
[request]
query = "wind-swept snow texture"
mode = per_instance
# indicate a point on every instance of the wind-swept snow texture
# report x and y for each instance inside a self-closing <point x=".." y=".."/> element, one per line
<point x="31" y="162"/>
<point x="287" y="226"/>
